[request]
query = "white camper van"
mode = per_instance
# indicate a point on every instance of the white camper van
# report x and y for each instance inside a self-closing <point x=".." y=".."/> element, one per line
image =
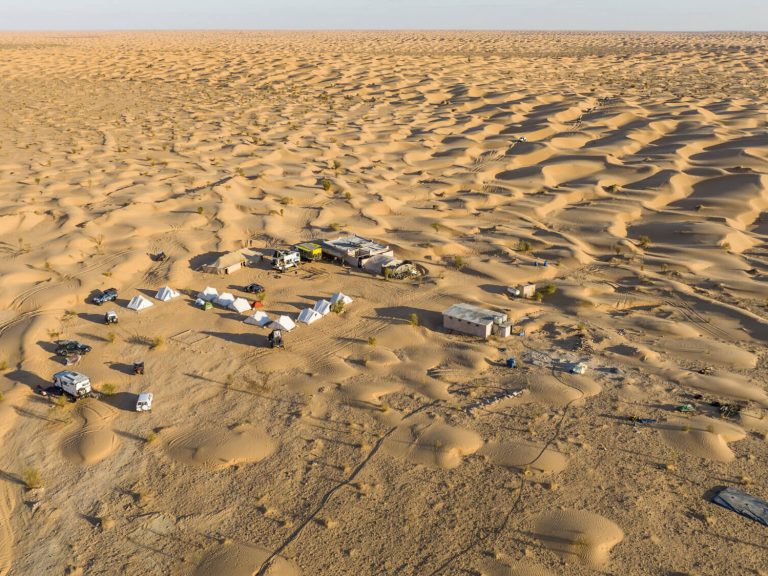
<point x="73" y="383"/>
<point x="283" y="260"/>
<point x="144" y="402"/>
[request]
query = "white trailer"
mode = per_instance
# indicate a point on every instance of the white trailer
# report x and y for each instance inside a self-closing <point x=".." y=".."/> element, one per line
<point x="144" y="402"/>
<point x="73" y="383"/>
<point x="283" y="260"/>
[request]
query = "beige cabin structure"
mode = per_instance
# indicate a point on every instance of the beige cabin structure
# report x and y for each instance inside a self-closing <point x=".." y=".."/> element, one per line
<point x="476" y="321"/>
<point x="225" y="264"/>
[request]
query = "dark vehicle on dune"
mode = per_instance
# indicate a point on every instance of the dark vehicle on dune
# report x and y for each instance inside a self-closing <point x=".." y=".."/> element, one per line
<point x="69" y="347"/>
<point x="109" y="295"/>
<point x="254" y="288"/>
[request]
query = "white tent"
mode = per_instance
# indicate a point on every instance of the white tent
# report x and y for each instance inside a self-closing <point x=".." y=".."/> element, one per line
<point x="240" y="305"/>
<point x="258" y="318"/>
<point x="339" y="297"/>
<point x="139" y="303"/>
<point x="283" y="323"/>
<point x="308" y="315"/>
<point x="322" y="307"/>
<point x="166" y="293"/>
<point x="209" y="294"/>
<point x="224" y="299"/>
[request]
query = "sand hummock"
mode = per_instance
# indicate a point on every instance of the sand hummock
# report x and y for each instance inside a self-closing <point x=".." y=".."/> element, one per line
<point x="581" y="535"/>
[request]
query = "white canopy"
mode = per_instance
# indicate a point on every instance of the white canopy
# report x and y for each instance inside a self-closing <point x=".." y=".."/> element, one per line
<point x="258" y="318"/>
<point x="240" y="305"/>
<point x="166" y="293"/>
<point x="139" y="303"/>
<point x="224" y="299"/>
<point x="209" y="294"/>
<point x="308" y="315"/>
<point x="283" y="323"/>
<point x="322" y="307"/>
<point x="340" y="297"/>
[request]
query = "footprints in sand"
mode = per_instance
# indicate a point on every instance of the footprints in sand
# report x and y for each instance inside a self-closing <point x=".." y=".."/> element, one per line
<point x="94" y="438"/>
<point x="215" y="448"/>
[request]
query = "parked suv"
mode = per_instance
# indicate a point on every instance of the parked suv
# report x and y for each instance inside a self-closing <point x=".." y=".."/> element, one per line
<point x="108" y="295"/>
<point x="254" y="288"/>
<point x="67" y="347"/>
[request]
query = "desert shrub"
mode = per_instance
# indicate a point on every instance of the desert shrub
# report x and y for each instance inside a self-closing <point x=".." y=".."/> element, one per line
<point x="32" y="478"/>
<point x="3" y="365"/>
<point x="151" y="437"/>
<point x="643" y="241"/>
<point x="108" y="389"/>
<point x="156" y="342"/>
<point x="111" y="337"/>
<point x="413" y="319"/>
<point x="458" y="262"/>
<point x="326" y="184"/>
<point x="371" y="341"/>
<point x="337" y="307"/>
<point x="548" y="289"/>
<point x="524" y="246"/>
<point x="200" y="210"/>
<point x="436" y="226"/>
<point x="335" y="226"/>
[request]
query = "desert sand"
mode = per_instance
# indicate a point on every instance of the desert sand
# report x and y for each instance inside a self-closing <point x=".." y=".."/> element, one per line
<point x="636" y="165"/>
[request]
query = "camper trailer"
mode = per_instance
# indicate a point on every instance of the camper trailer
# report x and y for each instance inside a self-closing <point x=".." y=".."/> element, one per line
<point x="144" y="402"/>
<point x="283" y="260"/>
<point x="73" y="383"/>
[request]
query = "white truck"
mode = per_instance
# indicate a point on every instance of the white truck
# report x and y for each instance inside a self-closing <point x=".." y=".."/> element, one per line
<point x="284" y="259"/>
<point x="144" y="402"/>
<point x="73" y="383"/>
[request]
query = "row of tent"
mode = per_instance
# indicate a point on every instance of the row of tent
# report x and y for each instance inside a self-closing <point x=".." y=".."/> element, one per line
<point x="306" y="316"/>
<point x="139" y="302"/>
<point x="225" y="300"/>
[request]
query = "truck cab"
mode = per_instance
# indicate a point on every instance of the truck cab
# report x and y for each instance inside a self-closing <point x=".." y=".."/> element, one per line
<point x="72" y="383"/>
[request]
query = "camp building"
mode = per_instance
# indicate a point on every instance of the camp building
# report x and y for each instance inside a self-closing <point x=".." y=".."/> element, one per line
<point x="231" y="262"/>
<point x="354" y="250"/>
<point x="476" y="321"/>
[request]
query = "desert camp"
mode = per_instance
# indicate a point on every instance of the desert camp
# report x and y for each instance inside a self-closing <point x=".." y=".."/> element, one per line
<point x="383" y="302"/>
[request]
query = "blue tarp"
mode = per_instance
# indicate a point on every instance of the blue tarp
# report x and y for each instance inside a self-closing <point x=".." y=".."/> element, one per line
<point x="744" y="504"/>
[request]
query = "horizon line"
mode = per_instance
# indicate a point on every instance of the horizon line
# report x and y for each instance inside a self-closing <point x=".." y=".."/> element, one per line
<point x="603" y="30"/>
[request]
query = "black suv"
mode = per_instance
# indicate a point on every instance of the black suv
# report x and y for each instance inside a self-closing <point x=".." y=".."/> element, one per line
<point x="107" y="296"/>
<point x="67" y="347"/>
<point x="254" y="288"/>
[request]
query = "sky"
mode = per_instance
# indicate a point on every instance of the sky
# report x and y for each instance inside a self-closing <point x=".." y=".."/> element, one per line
<point x="673" y="15"/>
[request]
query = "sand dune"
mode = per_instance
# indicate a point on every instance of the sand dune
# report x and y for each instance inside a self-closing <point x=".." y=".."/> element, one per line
<point x="94" y="439"/>
<point x="579" y="535"/>
<point x="242" y="560"/>
<point x="633" y="165"/>
<point x="703" y="437"/>
<point x="218" y="448"/>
